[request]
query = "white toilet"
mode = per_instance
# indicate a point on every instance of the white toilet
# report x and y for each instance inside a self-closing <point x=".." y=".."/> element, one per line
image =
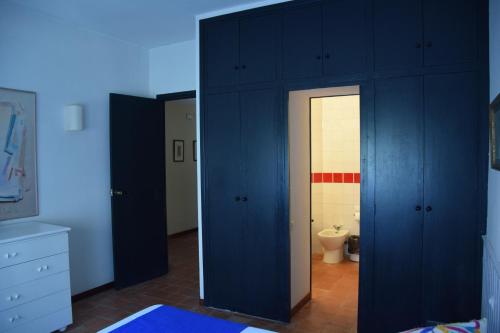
<point x="332" y="241"/>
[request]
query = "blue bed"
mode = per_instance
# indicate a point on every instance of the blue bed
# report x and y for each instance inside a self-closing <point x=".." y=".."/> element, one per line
<point x="168" y="319"/>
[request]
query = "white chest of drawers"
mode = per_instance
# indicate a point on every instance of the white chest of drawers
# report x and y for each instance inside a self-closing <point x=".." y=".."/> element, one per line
<point x="35" y="293"/>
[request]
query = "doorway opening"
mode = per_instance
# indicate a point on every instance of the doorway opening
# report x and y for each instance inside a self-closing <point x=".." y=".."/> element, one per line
<point x="324" y="145"/>
<point x="181" y="192"/>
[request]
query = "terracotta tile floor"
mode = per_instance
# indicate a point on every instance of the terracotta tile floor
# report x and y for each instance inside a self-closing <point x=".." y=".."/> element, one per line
<point x="333" y="307"/>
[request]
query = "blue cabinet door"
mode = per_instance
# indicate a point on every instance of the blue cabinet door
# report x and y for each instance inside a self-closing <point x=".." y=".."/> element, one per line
<point x="302" y="41"/>
<point x="223" y="223"/>
<point x="265" y="262"/>
<point x="345" y="37"/>
<point x="398" y="195"/>
<point x="397" y="29"/>
<point x="452" y="283"/>
<point x="259" y="48"/>
<point x="220" y="53"/>
<point x="449" y="32"/>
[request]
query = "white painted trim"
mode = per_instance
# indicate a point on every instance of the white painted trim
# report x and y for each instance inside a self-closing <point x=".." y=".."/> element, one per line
<point x="199" y="17"/>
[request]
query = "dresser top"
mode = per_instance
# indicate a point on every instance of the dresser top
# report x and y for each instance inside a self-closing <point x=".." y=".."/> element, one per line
<point x="24" y="230"/>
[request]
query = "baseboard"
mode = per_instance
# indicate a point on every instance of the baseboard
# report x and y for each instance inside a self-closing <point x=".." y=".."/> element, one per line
<point x="91" y="292"/>
<point x="183" y="233"/>
<point x="300" y="304"/>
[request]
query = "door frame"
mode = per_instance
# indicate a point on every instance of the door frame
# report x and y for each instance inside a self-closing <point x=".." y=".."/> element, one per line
<point x="367" y="187"/>
<point x="174" y="96"/>
<point x="177" y="95"/>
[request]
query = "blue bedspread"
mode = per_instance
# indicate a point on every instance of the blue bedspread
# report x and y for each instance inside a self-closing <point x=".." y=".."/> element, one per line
<point x="167" y="319"/>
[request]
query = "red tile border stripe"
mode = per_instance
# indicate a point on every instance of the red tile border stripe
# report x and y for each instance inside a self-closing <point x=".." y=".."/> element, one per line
<point x="336" y="177"/>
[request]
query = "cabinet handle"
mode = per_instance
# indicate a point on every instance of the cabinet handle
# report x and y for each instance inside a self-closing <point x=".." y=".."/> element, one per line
<point x="14" y="297"/>
<point x="418" y="208"/>
<point x="237" y="198"/>
<point x="244" y="199"/>
<point x="10" y="255"/>
<point x="428" y="209"/>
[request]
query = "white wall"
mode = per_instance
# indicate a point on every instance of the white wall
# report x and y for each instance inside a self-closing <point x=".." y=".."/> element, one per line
<point x="63" y="65"/>
<point x="180" y="124"/>
<point x="493" y="233"/>
<point x="172" y="68"/>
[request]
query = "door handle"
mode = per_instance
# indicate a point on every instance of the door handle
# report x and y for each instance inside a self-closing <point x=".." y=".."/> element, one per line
<point x="244" y="199"/>
<point x="418" y="208"/>
<point x="237" y="198"/>
<point x="428" y="208"/>
<point x="117" y="193"/>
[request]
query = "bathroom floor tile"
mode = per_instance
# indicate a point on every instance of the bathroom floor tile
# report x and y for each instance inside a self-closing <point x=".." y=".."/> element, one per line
<point x="333" y="307"/>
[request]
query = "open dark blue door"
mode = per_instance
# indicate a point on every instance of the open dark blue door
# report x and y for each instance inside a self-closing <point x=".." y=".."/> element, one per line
<point x="137" y="144"/>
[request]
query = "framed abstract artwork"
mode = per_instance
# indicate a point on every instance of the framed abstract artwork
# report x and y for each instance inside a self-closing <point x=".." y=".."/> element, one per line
<point x="18" y="173"/>
<point x="178" y="150"/>
<point x="495" y="133"/>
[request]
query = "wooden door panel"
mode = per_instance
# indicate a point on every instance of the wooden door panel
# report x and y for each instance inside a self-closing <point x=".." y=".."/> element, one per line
<point x="302" y="41"/>
<point x="221" y="62"/>
<point x="345" y="37"/>
<point x="265" y="254"/>
<point x="451" y="229"/>
<point x="138" y="181"/>
<point x="398" y="192"/>
<point x="397" y="34"/>
<point x="259" y="48"/>
<point x="223" y="224"/>
<point x="449" y="32"/>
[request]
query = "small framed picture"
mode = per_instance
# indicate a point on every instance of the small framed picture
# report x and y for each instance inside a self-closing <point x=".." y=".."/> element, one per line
<point x="178" y="150"/>
<point x="194" y="150"/>
<point x="495" y="133"/>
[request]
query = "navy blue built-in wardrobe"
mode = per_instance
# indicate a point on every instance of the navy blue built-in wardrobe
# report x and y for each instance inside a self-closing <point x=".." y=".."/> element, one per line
<point x="422" y="70"/>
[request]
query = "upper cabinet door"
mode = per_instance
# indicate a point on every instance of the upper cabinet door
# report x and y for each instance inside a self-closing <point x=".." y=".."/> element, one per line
<point x="449" y="32"/>
<point x="345" y="37"/>
<point x="221" y="53"/>
<point x="397" y="34"/>
<point x="302" y="42"/>
<point x="259" y="48"/>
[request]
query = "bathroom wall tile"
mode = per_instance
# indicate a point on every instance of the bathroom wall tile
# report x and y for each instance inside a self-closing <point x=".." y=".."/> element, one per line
<point x="317" y="177"/>
<point x="327" y="177"/>
<point x="348" y="177"/>
<point x="357" y="178"/>
<point x="338" y="177"/>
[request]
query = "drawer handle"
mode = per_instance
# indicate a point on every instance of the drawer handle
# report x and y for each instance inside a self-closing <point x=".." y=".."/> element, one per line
<point x="14" y="297"/>
<point x="10" y="255"/>
<point x="15" y="318"/>
<point x="43" y="268"/>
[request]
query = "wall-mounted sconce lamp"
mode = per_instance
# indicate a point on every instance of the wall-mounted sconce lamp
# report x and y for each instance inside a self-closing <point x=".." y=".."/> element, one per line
<point x="73" y="117"/>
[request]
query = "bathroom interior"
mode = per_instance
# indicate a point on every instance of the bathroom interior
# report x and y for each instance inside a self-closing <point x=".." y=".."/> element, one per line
<point x="335" y="203"/>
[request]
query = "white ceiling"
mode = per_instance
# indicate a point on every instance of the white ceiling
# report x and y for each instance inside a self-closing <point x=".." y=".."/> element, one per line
<point x="148" y="23"/>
